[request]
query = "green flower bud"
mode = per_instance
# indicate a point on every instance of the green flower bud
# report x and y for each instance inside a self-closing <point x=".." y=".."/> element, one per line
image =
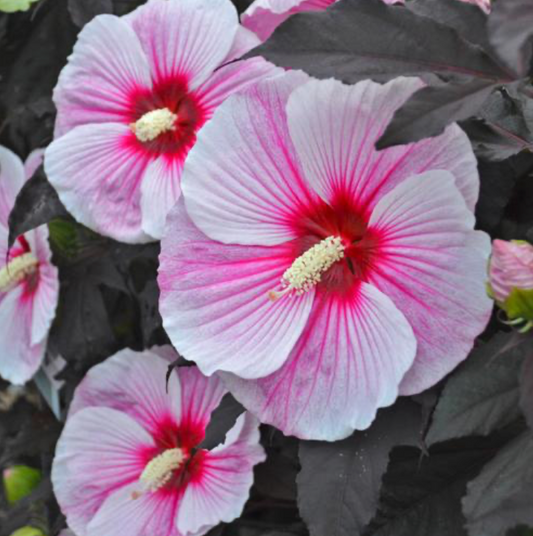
<point x="9" y="6"/>
<point x="20" y="481"/>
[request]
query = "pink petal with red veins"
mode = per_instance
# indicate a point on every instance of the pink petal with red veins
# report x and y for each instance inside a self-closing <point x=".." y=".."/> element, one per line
<point x="224" y="486"/>
<point x="206" y="33"/>
<point x="242" y="183"/>
<point x="334" y="128"/>
<point x="99" y="452"/>
<point x="264" y="16"/>
<point x="152" y="514"/>
<point x="234" y="78"/>
<point x="133" y="383"/>
<point x="200" y="396"/>
<point x="160" y="190"/>
<point x="97" y="171"/>
<point x="19" y="359"/>
<point x="347" y="364"/>
<point x="214" y="301"/>
<point x="107" y="67"/>
<point x="432" y="264"/>
<point x="46" y="294"/>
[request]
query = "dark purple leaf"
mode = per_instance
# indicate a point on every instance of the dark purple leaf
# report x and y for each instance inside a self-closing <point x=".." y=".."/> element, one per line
<point x="526" y="388"/>
<point x="467" y="19"/>
<point x="430" y="110"/>
<point x="36" y="204"/>
<point x="501" y="129"/>
<point x="338" y="486"/>
<point x="421" y="494"/>
<point x="83" y="11"/>
<point x="358" y="39"/>
<point x="501" y="497"/>
<point x="482" y="395"/>
<point x="510" y="32"/>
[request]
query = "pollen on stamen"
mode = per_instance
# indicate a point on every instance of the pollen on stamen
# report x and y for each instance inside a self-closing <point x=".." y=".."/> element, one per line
<point x="159" y="470"/>
<point x="16" y="270"/>
<point x="307" y="270"/>
<point x="154" y="123"/>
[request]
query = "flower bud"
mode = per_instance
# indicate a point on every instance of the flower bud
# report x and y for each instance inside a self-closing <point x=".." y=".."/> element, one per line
<point x="20" y="481"/>
<point x="511" y="279"/>
<point x="28" y="531"/>
<point x="11" y="6"/>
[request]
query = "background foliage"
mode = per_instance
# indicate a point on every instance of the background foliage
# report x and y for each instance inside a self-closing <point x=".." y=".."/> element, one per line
<point x="454" y="461"/>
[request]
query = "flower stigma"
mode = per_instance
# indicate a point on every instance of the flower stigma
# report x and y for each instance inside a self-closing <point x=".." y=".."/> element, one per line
<point x="159" y="470"/>
<point x="154" y="123"/>
<point x="16" y="270"/>
<point x="306" y="271"/>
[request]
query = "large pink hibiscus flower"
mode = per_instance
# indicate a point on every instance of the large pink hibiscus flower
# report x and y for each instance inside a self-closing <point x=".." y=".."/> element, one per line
<point x="130" y="102"/>
<point x="264" y="16"/>
<point x="126" y="459"/>
<point x="29" y="286"/>
<point x="325" y="276"/>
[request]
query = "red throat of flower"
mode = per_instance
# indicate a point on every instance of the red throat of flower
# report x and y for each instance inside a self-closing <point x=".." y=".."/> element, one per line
<point x="334" y="251"/>
<point x="165" y="120"/>
<point x="174" y="462"/>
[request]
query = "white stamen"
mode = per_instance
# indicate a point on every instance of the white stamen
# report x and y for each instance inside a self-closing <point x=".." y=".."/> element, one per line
<point x="306" y="271"/>
<point x="16" y="270"/>
<point x="159" y="470"/>
<point x="154" y="123"/>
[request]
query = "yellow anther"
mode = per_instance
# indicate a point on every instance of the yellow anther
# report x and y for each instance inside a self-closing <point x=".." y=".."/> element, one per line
<point x="154" y="123"/>
<point x="16" y="270"/>
<point x="159" y="470"/>
<point x="306" y="271"/>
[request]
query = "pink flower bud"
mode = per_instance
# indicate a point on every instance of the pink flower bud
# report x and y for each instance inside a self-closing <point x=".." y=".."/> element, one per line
<point x="511" y="266"/>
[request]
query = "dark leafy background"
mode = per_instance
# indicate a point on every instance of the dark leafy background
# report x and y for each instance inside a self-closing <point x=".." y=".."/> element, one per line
<point x="456" y="460"/>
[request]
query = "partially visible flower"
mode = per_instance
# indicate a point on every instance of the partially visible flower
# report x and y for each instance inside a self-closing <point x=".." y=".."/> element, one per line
<point x="29" y="286"/>
<point x="130" y="102"/>
<point x="264" y="16"/>
<point x="127" y="457"/>
<point x="10" y="6"/>
<point x="483" y="4"/>
<point x="511" y="279"/>
<point x="321" y="277"/>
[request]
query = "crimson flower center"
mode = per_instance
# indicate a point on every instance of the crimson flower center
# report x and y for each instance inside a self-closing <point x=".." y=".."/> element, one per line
<point x="166" y="118"/>
<point x="346" y="248"/>
<point x="306" y="271"/>
<point x="160" y="469"/>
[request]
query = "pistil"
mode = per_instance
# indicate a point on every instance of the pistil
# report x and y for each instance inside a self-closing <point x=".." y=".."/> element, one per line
<point x="160" y="469"/>
<point x="307" y="270"/>
<point x="153" y="124"/>
<point x="16" y="270"/>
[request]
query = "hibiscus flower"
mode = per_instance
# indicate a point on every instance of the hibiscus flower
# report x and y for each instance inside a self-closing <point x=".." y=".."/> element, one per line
<point x="320" y="276"/>
<point x="127" y="458"/>
<point x="130" y="102"/>
<point x="29" y="286"/>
